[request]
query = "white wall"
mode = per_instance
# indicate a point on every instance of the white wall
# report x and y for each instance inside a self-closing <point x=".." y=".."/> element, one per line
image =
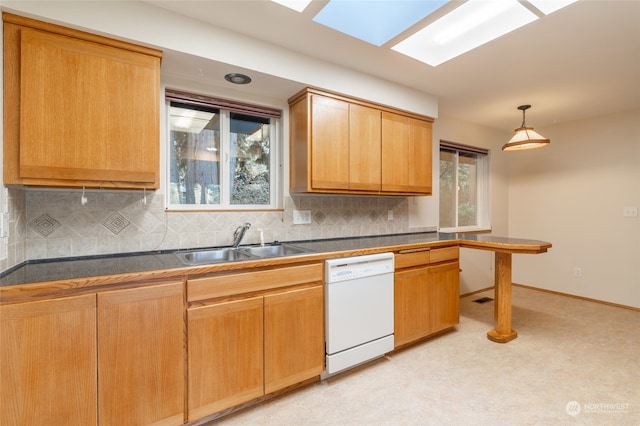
<point x="572" y="194"/>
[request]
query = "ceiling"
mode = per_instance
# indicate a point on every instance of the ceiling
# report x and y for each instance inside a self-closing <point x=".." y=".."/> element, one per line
<point x="579" y="62"/>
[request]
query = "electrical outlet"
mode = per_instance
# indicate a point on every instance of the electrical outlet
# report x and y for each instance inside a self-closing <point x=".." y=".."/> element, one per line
<point x="630" y="212"/>
<point x="389" y="214"/>
<point x="577" y="272"/>
<point x="301" y="217"/>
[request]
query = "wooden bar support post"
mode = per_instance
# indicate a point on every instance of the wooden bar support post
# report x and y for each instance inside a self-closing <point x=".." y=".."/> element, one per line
<point x="503" y="332"/>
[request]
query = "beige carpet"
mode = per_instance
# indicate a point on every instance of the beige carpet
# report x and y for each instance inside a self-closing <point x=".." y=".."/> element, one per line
<point x="574" y="363"/>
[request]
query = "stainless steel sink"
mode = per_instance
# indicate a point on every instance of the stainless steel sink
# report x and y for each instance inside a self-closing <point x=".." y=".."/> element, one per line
<point x="231" y="254"/>
<point x="204" y="257"/>
<point x="275" y="250"/>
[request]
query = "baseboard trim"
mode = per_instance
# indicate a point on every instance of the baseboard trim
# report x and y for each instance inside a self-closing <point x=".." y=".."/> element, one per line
<point x="588" y="299"/>
<point x="476" y="292"/>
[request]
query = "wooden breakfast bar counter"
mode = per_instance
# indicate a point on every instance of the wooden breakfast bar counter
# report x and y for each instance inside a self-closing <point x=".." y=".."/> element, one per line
<point x="503" y="249"/>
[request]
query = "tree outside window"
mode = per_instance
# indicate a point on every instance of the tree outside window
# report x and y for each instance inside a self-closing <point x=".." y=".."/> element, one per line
<point x="463" y="187"/>
<point x="220" y="159"/>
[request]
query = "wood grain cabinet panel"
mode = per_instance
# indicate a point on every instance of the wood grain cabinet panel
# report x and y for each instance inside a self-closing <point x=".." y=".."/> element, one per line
<point x="225" y="355"/>
<point x="426" y="296"/>
<point x="406" y="154"/>
<point x="141" y="356"/>
<point x="92" y="119"/>
<point x="48" y="362"/>
<point x="364" y="148"/>
<point x="293" y="337"/>
<point x="444" y="295"/>
<point x="330" y="148"/>
<point x="411" y="306"/>
<point x="267" y="336"/>
<point x="348" y="146"/>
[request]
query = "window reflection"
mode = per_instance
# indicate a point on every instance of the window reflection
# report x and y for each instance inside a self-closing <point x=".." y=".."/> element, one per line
<point x="195" y="155"/>
<point x="219" y="157"/>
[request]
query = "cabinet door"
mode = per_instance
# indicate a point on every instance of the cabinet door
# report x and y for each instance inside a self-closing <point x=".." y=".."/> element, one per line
<point x="225" y="355"/>
<point x="426" y="301"/>
<point x="141" y="356"/>
<point x="406" y="154"/>
<point x="93" y="115"/>
<point x="411" y="305"/>
<point x="444" y="295"/>
<point x="293" y="337"/>
<point x="48" y="362"/>
<point x="330" y="143"/>
<point x="364" y="148"/>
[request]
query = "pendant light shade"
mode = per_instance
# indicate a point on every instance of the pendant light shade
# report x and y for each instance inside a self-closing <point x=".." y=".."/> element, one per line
<point x="525" y="137"/>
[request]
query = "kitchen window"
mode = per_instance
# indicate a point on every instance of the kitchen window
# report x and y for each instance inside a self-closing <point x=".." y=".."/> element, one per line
<point x="223" y="155"/>
<point x="464" y="187"/>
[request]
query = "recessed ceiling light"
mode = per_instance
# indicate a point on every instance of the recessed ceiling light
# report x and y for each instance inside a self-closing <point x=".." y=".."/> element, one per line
<point x="375" y="21"/>
<point x="297" y="5"/>
<point x="470" y="25"/>
<point x="237" y="78"/>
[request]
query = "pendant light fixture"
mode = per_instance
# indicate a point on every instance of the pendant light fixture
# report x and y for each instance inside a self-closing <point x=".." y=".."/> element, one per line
<point x="525" y="137"/>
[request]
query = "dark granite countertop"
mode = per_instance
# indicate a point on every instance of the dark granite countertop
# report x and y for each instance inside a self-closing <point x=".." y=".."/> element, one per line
<point x="140" y="263"/>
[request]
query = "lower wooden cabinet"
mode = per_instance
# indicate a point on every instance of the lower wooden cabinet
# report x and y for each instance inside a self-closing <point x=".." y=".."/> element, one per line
<point x="239" y="350"/>
<point x="411" y="305"/>
<point x="48" y="362"/>
<point x="141" y="356"/>
<point x="225" y="355"/>
<point x="444" y="294"/>
<point x="112" y="358"/>
<point x="426" y="295"/>
<point x="293" y="337"/>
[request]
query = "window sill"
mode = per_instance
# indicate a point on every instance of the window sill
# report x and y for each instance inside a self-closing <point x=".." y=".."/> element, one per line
<point x="221" y="210"/>
<point x="466" y="230"/>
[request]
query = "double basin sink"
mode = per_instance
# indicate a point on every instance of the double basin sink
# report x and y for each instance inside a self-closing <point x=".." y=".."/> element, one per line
<point x="232" y="254"/>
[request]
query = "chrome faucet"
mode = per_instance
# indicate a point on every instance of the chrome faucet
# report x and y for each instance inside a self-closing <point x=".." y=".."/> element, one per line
<point x="238" y="234"/>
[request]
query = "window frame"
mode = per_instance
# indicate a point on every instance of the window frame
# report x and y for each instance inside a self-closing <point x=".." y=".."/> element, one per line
<point x="483" y="191"/>
<point x="226" y="108"/>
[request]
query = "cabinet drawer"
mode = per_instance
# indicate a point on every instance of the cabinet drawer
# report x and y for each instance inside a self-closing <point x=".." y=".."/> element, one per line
<point x="245" y="282"/>
<point x="412" y="258"/>
<point x="444" y="254"/>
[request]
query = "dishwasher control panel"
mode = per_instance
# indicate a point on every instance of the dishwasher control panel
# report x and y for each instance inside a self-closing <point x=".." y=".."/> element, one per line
<point x="350" y="268"/>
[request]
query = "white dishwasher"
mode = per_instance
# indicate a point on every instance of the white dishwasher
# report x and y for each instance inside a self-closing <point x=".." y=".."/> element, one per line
<point x="358" y="310"/>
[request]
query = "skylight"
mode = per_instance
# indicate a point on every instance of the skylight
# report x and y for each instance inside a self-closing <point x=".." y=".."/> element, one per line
<point x="469" y="25"/>
<point x="297" y="5"/>
<point x="375" y="22"/>
<point x="472" y="24"/>
<point x="550" y="6"/>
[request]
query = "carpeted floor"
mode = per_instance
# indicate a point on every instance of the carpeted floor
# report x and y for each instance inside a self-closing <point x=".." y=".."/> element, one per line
<point x="574" y="362"/>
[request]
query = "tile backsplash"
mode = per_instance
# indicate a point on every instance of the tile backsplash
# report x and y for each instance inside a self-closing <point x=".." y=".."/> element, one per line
<point x="49" y="224"/>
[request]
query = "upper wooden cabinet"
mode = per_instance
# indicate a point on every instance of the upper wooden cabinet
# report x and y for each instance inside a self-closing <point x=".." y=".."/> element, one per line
<point x="406" y="154"/>
<point x="79" y="109"/>
<point x="344" y="145"/>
